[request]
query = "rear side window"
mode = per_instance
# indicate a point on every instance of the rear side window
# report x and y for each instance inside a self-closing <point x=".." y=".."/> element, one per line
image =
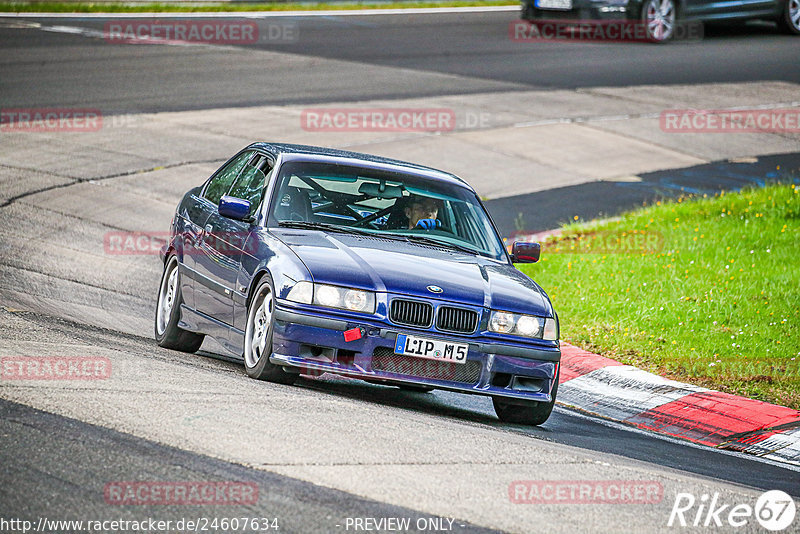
<point x="222" y="181"/>
<point x="252" y="181"/>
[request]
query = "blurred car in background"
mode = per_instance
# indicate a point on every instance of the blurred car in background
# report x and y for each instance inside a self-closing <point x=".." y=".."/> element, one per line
<point x="662" y="19"/>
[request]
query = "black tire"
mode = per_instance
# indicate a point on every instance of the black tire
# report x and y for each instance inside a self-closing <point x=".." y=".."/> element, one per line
<point x="789" y="20"/>
<point x="415" y="389"/>
<point x="525" y="412"/>
<point x="168" y="334"/>
<point x="258" y="336"/>
<point x="527" y="12"/>
<point x="665" y="11"/>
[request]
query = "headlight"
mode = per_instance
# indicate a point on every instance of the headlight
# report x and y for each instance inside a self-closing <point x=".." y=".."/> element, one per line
<point x="528" y="326"/>
<point x="302" y="292"/>
<point x="358" y="301"/>
<point x="523" y="325"/>
<point x="333" y="297"/>
<point x="329" y="296"/>
<point x="501" y="322"/>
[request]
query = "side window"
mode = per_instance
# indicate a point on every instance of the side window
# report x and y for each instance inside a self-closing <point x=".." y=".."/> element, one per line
<point x="251" y="183"/>
<point x="221" y="183"/>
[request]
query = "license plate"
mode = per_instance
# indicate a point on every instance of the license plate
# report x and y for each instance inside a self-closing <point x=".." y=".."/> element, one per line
<point x="431" y="349"/>
<point x="554" y="4"/>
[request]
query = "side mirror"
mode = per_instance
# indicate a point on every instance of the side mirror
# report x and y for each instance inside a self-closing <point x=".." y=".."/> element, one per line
<point x="234" y="208"/>
<point x="525" y="252"/>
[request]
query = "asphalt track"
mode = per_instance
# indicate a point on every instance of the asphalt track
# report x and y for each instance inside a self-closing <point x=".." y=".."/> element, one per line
<point x="368" y="57"/>
<point x="603" y="199"/>
<point x="326" y="449"/>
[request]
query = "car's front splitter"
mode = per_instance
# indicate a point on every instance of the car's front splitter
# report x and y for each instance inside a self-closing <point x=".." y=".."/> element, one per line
<point x="312" y="344"/>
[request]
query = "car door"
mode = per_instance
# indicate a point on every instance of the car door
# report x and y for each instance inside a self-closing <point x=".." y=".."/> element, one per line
<point x="252" y="186"/>
<point x="221" y="249"/>
<point x="192" y="215"/>
<point x="711" y="9"/>
<point x="196" y="249"/>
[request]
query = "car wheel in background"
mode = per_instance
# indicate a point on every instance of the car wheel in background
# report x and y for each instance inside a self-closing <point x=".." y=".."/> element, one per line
<point x="659" y="18"/>
<point x="168" y="312"/>
<point x="527" y="11"/>
<point x="258" y="336"/>
<point x="790" y="19"/>
<point x="525" y="412"/>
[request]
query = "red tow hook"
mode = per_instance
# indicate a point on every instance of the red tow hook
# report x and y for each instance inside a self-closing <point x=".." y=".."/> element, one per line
<point x="353" y="334"/>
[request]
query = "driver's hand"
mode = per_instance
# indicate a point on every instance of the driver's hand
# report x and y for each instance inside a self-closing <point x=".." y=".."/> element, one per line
<point x="428" y="224"/>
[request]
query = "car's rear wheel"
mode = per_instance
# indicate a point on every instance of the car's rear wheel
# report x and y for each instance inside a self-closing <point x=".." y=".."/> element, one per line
<point x="525" y="412"/>
<point x="258" y="336"/>
<point x="790" y="20"/>
<point x="659" y="18"/>
<point x="168" y="312"/>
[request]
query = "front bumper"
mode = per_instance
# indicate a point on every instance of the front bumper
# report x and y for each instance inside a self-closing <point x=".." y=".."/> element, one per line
<point x="314" y="344"/>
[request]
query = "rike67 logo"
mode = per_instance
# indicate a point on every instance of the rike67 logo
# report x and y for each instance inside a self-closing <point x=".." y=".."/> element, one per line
<point x="774" y="510"/>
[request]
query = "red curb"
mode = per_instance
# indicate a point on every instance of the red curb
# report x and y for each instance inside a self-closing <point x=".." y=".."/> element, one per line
<point x="577" y="362"/>
<point x="712" y="417"/>
<point x="709" y="417"/>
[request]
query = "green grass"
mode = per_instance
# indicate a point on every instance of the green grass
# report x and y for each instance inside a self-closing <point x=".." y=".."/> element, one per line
<point x="90" y="7"/>
<point x="709" y="294"/>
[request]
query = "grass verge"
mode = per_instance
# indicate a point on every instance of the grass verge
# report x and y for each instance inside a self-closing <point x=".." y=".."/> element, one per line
<point x="89" y="7"/>
<point x="701" y="290"/>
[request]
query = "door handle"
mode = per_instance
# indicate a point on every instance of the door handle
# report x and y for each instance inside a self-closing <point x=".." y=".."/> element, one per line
<point x="194" y="233"/>
<point x="206" y="231"/>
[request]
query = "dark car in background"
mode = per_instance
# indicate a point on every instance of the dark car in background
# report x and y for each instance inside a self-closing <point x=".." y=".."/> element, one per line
<point x="662" y="20"/>
<point x="305" y="260"/>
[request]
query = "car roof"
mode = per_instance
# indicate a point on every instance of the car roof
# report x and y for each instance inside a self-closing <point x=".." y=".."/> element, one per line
<point x="291" y="152"/>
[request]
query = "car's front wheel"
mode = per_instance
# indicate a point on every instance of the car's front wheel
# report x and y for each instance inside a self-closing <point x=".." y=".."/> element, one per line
<point x="790" y="19"/>
<point x="258" y="337"/>
<point x="168" y="312"/>
<point x="525" y="412"/>
<point x="659" y="18"/>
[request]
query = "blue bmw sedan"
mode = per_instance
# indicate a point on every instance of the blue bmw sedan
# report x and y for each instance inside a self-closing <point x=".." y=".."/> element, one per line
<point x="305" y="260"/>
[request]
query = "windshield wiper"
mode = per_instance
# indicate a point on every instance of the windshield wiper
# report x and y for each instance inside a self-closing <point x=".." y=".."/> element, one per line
<point x="358" y="231"/>
<point x="443" y="244"/>
<point x="327" y="227"/>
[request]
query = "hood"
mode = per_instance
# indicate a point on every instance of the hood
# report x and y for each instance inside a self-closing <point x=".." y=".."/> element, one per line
<point x="379" y="264"/>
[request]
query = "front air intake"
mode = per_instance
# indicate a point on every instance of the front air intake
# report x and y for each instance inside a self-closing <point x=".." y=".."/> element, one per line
<point x="411" y="313"/>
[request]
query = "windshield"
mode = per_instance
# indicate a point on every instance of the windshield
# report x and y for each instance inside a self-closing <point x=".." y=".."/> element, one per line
<point x="391" y="204"/>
